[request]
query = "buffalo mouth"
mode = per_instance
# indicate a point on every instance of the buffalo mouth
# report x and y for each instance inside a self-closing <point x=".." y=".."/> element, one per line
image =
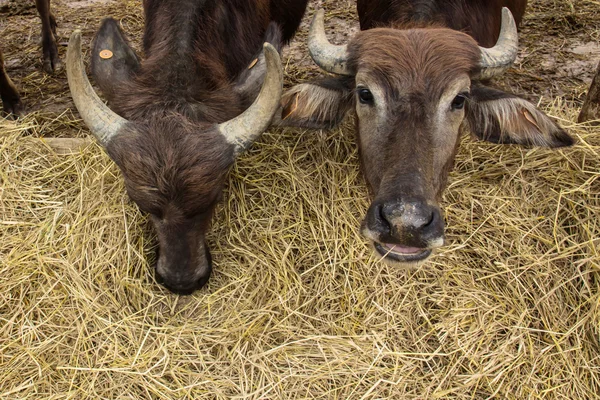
<point x="401" y="254"/>
<point x="182" y="290"/>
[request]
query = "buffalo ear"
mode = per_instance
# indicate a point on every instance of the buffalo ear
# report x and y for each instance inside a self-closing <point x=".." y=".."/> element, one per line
<point x="500" y="117"/>
<point x="249" y="82"/>
<point x="113" y="60"/>
<point x="321" y="105"/>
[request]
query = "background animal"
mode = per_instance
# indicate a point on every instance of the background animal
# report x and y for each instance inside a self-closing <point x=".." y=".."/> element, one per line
<point x="11" y="100"/>
<point x="413" y="79"/>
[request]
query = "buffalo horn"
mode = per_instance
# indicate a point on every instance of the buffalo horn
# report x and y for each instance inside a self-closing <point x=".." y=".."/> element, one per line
<point x="244" y="129"/>
<point x="331" y="58"/>
<point x="496" y="59"/>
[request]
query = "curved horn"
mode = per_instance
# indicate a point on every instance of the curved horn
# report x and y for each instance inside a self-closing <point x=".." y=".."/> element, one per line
<point x="495" y="60"/>
<point x="101" y="120"/>
<point x="329" y="57"/>
<point x="249" y="125"/>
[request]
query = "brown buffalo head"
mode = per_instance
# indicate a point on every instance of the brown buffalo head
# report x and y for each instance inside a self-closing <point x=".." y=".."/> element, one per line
<point x="174" y="167"/>
<point x="413" y="90"/>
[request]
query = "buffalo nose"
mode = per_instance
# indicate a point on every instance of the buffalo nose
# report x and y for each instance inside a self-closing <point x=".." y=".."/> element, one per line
<point x="413" y="219"/>
<point x="411" y="215"/>
<point x="184" y="282"/>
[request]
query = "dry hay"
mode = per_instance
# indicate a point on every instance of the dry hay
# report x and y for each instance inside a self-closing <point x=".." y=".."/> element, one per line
<point x="297" y="306"/>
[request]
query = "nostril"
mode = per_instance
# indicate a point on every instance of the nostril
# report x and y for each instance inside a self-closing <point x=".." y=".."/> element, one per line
<point x="158" y="277"/>
<point x="381" y="217"/>
<point x="431" y="220"/>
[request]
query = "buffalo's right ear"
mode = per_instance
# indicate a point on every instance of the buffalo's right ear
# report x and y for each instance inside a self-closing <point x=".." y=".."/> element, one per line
<point x="113" y="60"/>
<point x="249" y="82"/>
<point x="501" y="117"/>
<point x="322" y="104"/>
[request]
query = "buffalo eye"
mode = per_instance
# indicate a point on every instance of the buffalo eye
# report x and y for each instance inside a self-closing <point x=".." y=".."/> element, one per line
<point x="365" y="96"/>
<point x="459" y="101"/>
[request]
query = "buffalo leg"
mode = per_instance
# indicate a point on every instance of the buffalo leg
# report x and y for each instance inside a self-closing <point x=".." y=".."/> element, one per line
<point x="11" y="101"/>
<point x="591" y="107"/>
<point x="51" y="61"/>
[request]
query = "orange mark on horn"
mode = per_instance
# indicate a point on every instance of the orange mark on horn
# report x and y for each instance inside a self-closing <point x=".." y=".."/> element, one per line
<point x="106" y="54"/>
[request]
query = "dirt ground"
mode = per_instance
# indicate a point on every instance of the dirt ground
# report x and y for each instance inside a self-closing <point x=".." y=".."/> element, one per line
<point x="297" y="306"/>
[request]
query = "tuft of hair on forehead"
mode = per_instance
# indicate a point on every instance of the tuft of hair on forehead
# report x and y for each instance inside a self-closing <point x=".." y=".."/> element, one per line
<point x="425" y="58"/>
<point x="184" y="165"/>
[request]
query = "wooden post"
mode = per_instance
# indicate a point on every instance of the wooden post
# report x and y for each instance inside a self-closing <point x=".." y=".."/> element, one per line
<point x="591" y="106"/>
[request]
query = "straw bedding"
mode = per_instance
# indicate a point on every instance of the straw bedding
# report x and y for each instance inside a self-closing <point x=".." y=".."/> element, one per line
<point x="297" y="306"/>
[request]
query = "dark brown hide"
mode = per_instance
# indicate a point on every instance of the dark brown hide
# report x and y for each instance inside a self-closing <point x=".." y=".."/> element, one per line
<point x="415" y="60"/>
<point x="172" y="156"/>
<point x="177" y="178"/>
<point x="478" y="18"/>
<point x="184" y="169"/>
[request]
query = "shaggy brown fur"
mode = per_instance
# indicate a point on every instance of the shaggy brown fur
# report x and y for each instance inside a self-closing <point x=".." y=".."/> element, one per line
<point x="190" y="67"/>
<point x="411" y="90"/>
<point x="172" y="156"/>
<point x="417" y="60"/>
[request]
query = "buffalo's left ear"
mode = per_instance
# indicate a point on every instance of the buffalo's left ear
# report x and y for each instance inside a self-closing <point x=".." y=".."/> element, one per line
<point x="113" y="61"/>
<point x="321" y="104"/>
<point x="501" y="117"/>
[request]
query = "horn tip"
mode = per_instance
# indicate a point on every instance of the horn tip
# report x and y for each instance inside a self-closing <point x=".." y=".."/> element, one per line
<point x="268" y="47"/>
<point x="271" y="54"/>
<point x="507" y="15"/>
<point x="319" y="16"/>
<point x="75" y="39"/>
<point x="76" y="34"/>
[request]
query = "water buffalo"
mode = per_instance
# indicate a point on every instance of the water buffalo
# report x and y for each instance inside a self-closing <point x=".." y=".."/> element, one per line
<point x="11" y="100"/>
<point x="413" y="78"/>
<point x="178" y="119"/>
